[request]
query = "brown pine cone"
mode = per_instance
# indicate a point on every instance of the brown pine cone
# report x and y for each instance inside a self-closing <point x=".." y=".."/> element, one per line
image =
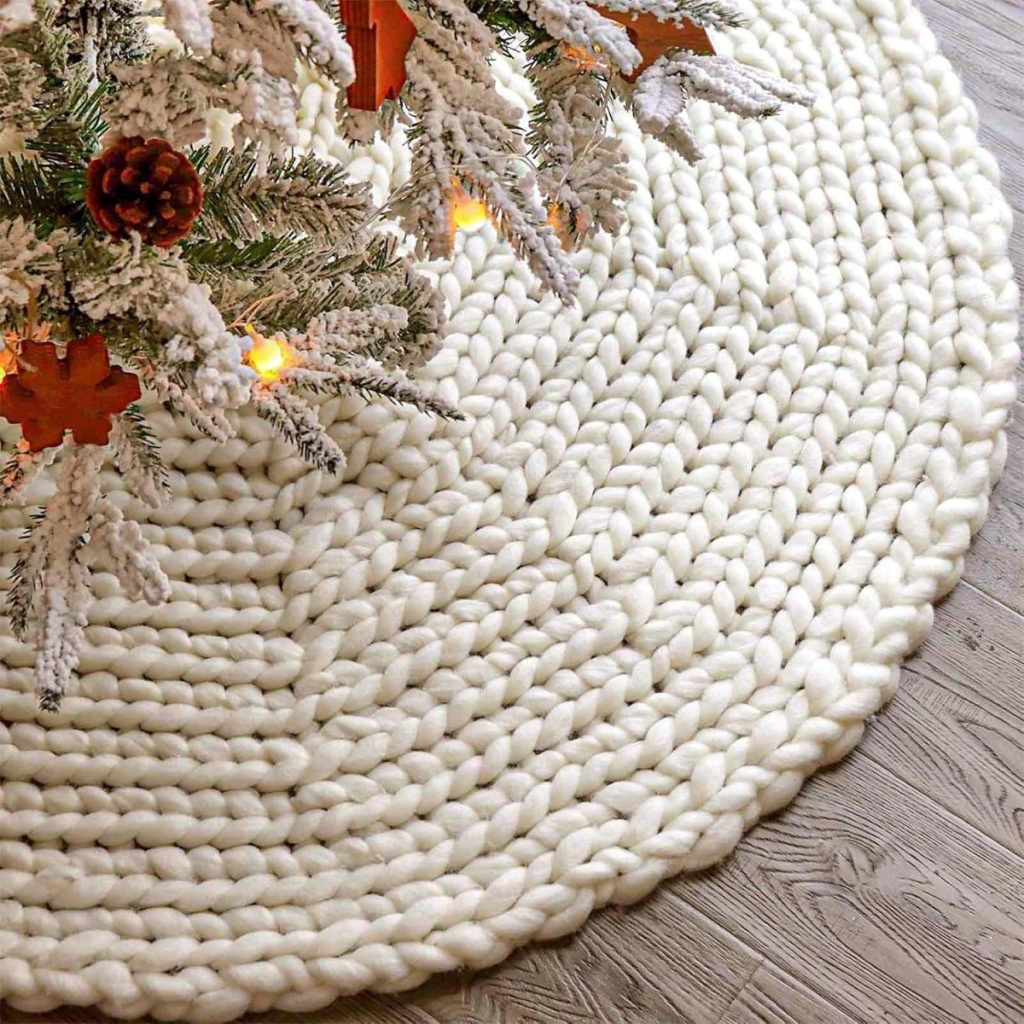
<point x="135" y="185"/>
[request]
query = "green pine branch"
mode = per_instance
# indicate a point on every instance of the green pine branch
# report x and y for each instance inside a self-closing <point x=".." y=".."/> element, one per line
<point x="300" y="195"/>
<point x="505" y="20"/>
<point x="709" y="13"/>
<point x="143" y="448"/>
<point x="129" y="339"/>
<point x="67" y="141"/>
<point x="26" y="190"/>
<point x="25" y="575"/>
<point x="369" y="386"/>
<point x="47" y="184"/>
<point x="209" y="258"/>
<point x="292" y="279"/>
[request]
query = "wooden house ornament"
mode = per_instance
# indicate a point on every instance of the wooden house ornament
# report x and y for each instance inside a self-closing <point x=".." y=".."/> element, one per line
<point x="380" y="34"/>
<point x="653" y="38"/>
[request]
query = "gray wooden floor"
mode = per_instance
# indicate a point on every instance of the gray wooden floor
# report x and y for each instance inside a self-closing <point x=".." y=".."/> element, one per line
<point x="892" y="890"/>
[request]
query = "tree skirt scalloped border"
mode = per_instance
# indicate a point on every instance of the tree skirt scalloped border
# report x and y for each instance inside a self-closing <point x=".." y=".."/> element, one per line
<point x="511" y="670"/>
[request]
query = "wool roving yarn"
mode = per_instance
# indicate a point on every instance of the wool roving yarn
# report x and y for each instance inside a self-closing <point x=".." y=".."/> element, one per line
<point x="510" y="670"/>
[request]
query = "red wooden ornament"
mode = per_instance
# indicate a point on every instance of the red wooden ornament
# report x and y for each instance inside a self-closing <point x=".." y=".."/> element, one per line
<point x="380" y="34"/>
<point x="79" y="393"/>
<point x="653" y="38"/>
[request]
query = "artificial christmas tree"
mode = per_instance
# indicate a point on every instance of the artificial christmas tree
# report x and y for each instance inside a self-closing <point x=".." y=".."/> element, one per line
<point x="580" y="57"/>
<point x="255" y="274"/>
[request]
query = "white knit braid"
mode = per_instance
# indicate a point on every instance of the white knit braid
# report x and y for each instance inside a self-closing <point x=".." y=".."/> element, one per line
<point x="510" y="670"/>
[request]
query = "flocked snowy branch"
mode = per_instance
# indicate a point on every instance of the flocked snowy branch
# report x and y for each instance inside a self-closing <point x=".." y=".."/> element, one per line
<point x="284" y="250"/>
<point x="50" y="596"/>
<point x="665" y="89"/>
<point x="243" y="57"/>
<point x="565" y="178"/>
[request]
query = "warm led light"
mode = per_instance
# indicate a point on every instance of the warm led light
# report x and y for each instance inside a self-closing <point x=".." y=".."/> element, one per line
<point x="583" y="58"/>
<point x="268" y="356"/>
<point x="8" y="361"/>
<point x="468" y="212"/>
<point x="557" y="219"/>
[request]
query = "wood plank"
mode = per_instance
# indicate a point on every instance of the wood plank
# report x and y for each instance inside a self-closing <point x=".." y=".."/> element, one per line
<point x="869" y="892"/>
<point x="959" y="754"/>
<point x="370" y="1008"/>
<point x="995" y="563"/>
<point x="976" y="651"/>
<point x="774" y="997"/>
<point x="366" y="1009"/>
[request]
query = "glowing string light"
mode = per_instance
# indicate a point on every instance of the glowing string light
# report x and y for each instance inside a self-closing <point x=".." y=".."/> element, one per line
<point x="8" y="356"/>
<point x="269" y="357"/>
<point x="558" y="220"/>
<point x="468" y="212"/>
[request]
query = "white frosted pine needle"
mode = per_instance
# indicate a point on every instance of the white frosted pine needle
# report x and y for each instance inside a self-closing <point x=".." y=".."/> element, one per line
<point x="736" y="87"/>
<point x="662" y="93"/>
<point x="190" y="21"/>
<point x="15" y="15"/>
<point x="48" y="601"/>
<point x="578" y="25"/>
<point x="118" y="543"/>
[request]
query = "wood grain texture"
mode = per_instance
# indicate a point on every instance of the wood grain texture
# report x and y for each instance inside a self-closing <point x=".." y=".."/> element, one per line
<point x="625" y="972"/>
<point x="977" y="653"/>
<point x="880" y="900"/>
<point x="774" y="997"/>
<point x="958" y="754"/>
<point x="890" y="892"/>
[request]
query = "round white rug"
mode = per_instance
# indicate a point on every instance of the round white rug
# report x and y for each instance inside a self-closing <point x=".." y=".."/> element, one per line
<point x="511" y="670"/>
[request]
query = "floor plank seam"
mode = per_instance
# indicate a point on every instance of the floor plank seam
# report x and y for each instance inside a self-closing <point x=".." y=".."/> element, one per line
<point x="966" y="581"/>
<point x="739" y="992"/>
<point x="936" y="677"/>
<point x="900" y="781"/>
<point x="1018" y="854"/>
<point x="763" y="957"/>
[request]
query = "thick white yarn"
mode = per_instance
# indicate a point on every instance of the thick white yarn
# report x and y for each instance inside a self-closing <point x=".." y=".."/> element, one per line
<point x="515" y="669"/>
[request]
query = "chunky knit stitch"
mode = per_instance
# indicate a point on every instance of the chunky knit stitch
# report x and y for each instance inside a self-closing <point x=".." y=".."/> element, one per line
<point x="514" y="669"/>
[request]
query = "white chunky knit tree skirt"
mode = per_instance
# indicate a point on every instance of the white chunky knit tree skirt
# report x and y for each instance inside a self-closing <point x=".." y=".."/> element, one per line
<point x="508" y="671"/>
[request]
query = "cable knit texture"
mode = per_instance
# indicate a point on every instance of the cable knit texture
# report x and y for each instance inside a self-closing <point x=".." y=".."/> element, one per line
<point x="510" y="670"/>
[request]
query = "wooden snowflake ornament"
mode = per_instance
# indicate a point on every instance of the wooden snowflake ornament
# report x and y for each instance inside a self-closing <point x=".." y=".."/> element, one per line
<point x="79" y="393"/>
<point x="380" y="35"/>
<point x="653" y="38"/>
